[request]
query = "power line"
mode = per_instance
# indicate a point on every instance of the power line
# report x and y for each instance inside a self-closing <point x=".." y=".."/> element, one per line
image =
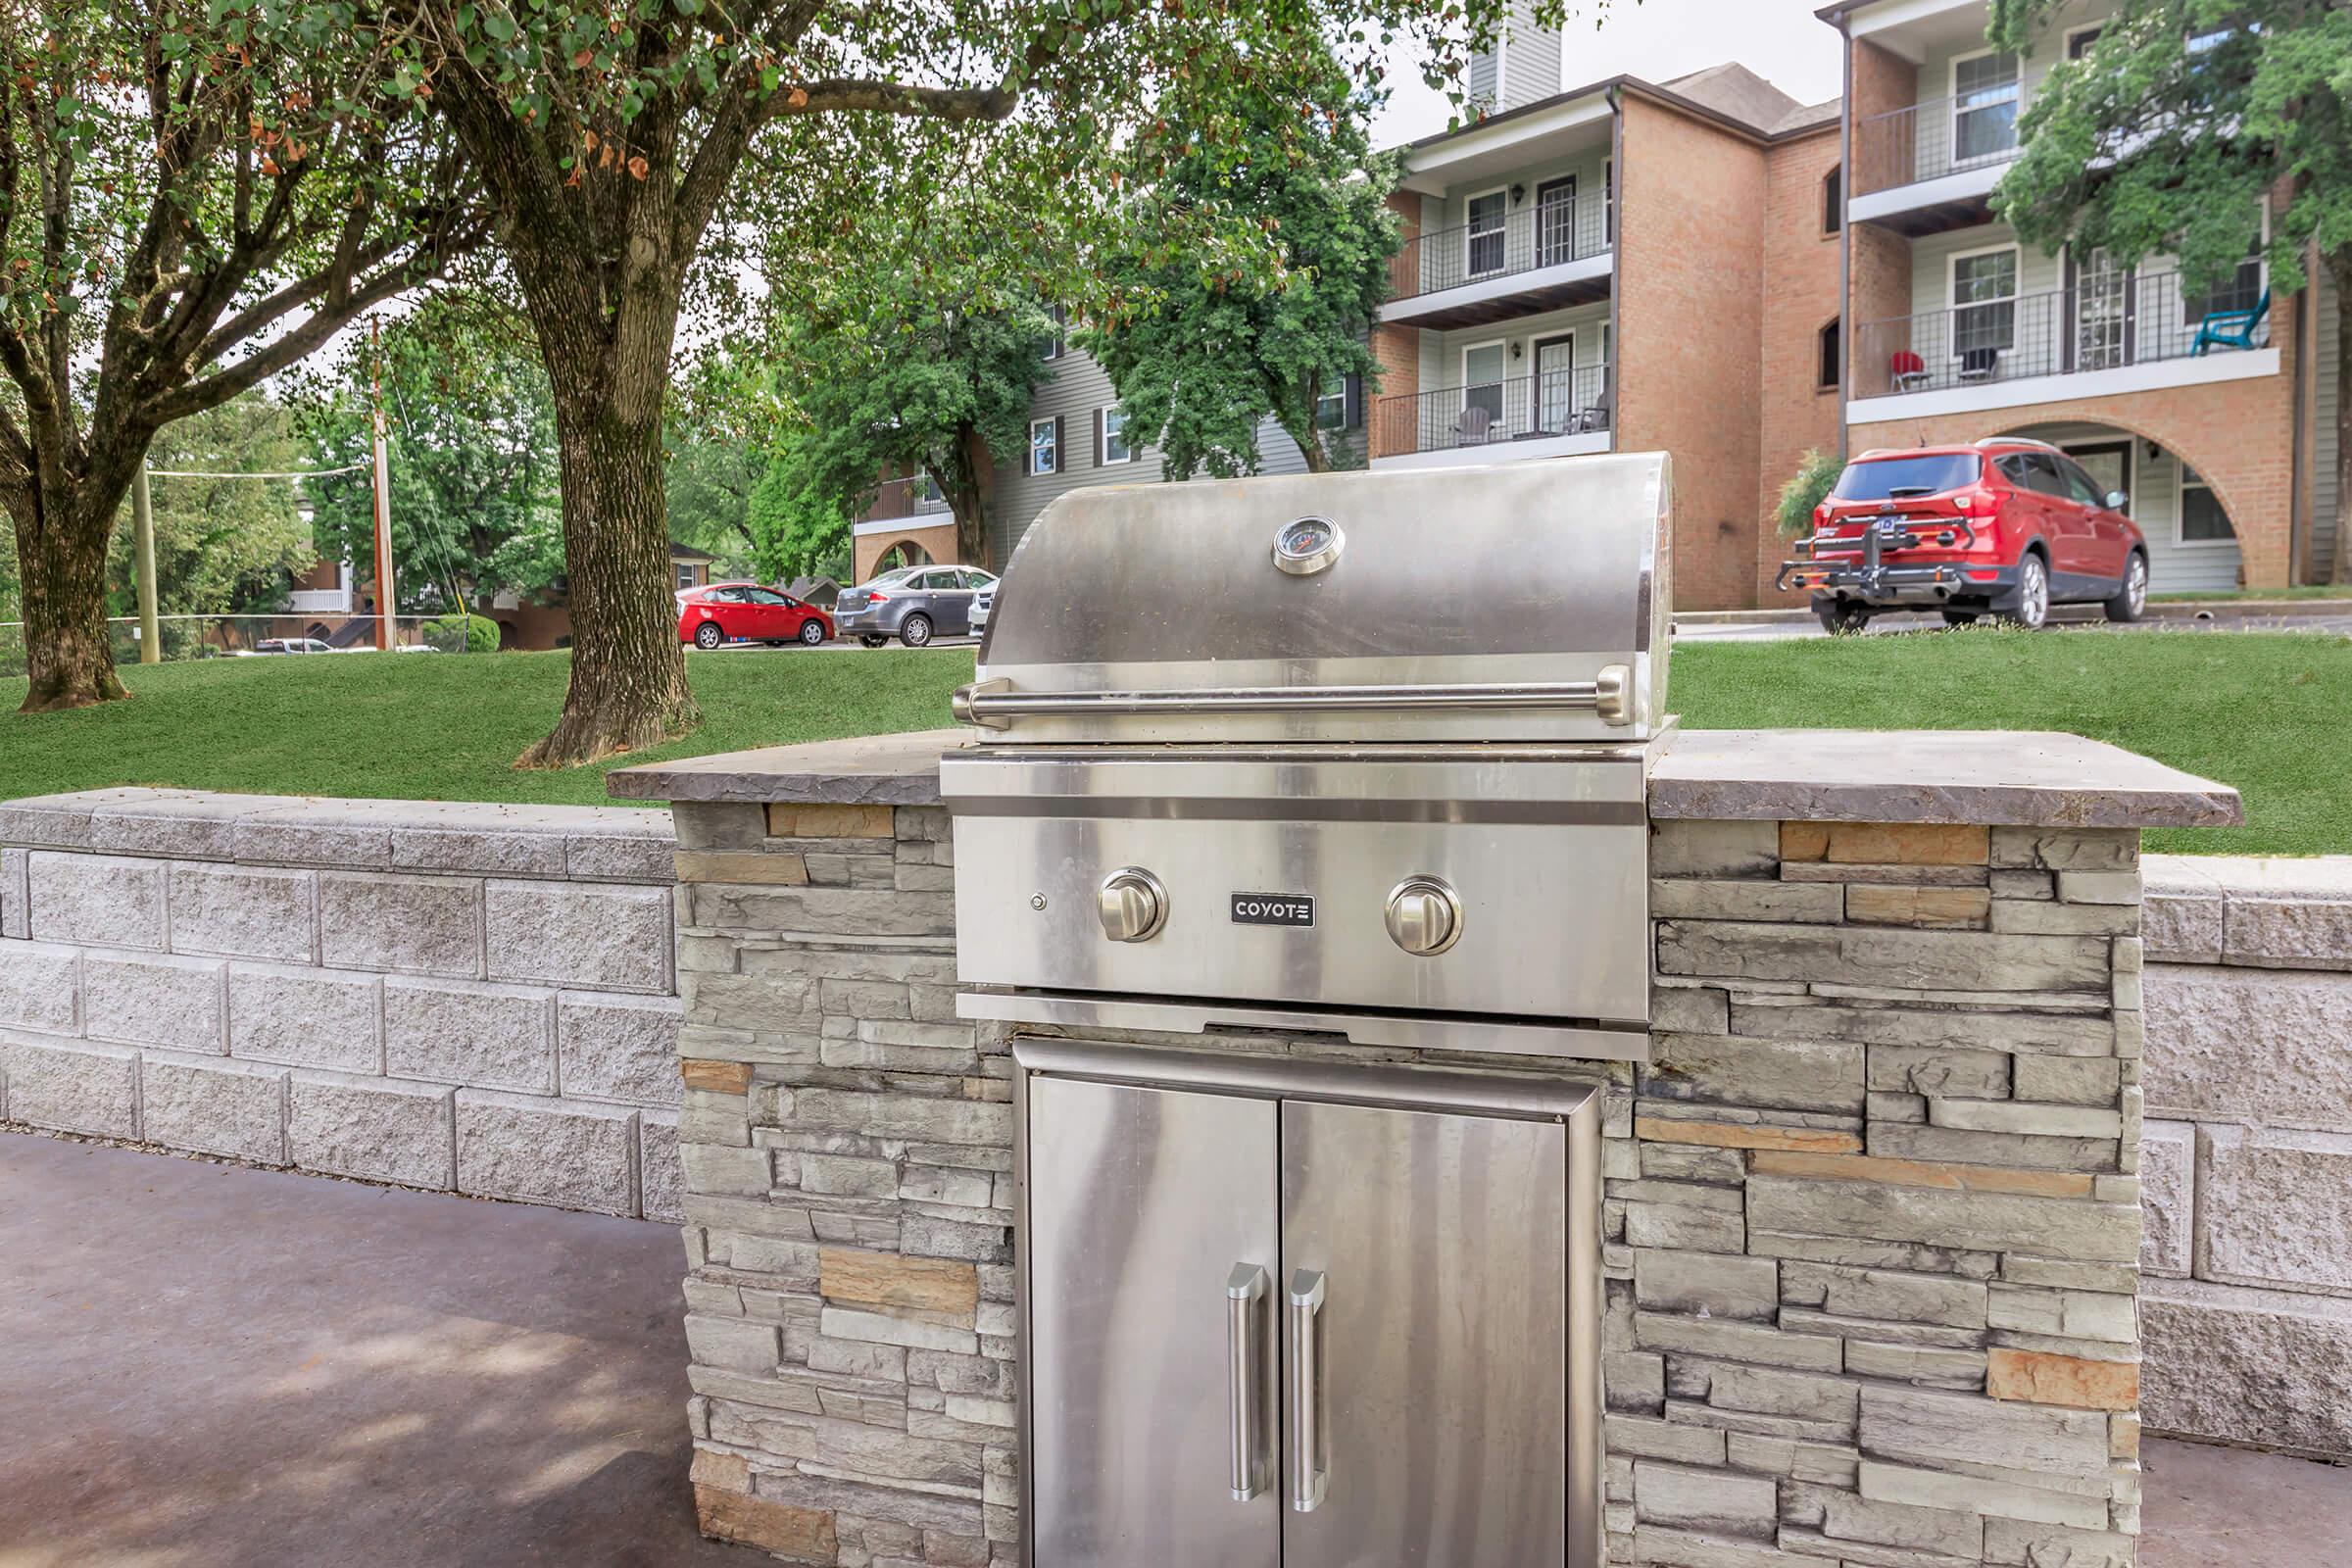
<point x="306" y="473"/>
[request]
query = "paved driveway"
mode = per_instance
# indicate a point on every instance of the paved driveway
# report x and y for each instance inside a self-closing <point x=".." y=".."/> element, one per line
<point x="2066" y="619"/>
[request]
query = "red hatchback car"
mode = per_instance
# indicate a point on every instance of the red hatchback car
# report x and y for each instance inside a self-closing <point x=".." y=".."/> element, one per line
<point x="2005" y="527"/>
<point x="746" y="613"/>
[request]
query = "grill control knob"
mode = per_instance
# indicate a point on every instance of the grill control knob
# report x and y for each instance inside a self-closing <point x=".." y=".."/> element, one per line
<point x="1133" y="905"/>
<point x="1425" y="916"/>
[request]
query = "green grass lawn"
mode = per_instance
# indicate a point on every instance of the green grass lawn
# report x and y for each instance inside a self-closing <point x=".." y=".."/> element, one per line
<point x="2270" y="714"/>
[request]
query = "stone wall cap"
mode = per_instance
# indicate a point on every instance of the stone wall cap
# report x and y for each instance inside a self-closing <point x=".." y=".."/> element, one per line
<point x="856" y="771"/>
<point x="2022" y="778"/>
<point x="215" y="825"/>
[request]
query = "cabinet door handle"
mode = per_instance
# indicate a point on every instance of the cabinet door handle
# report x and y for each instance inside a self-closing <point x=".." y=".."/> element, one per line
<point x="1244" y="1315"/>
<point x="1307" y="1482"/>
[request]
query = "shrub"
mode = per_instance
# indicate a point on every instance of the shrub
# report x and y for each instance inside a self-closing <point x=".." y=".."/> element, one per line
<point x="462" y="634"/>
<point x="1815" y="473"/>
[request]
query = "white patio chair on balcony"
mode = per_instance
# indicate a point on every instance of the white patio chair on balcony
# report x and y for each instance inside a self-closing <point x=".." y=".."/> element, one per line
<point x="1476" y="428"/>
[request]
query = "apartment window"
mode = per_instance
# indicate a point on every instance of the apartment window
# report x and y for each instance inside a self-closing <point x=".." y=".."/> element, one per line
<point x="1044" y="446"/>
<point x="1985" y="302"/>
<point x="1331" y="407"/>
<point x="1608" y="200"/>
<point x="1110" y="437"/>
<point x="1833" y="198"/>
<point x="1058" y="344"/>
<point x="2239" y="293"/>
<point x="2202" y="522"/>
<point x="685" y="575"/>
<point x="2079" y="41"/>
<point x="1482" y="235"/>
<point x="1830" y="356"/>
<point x="1984" y="94"/>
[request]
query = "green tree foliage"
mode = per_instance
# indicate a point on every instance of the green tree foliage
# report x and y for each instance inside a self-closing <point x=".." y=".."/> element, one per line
<point x="1816" y="473"/>
<point x="724" y="418"/>
<point x="613" y="141"/>
<point x="1201" y="357"/>
<point x="194" y="196"/>
<point x="223" y="546"/>
<point x="475" y="509"/>
<point x="888" y="371"/>
<point x="2180" y="126"/>
<point x="462" y="634"/>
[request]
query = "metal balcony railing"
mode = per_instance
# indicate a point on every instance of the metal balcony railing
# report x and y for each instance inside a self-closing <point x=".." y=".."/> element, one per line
<point x="1539" y="233"/>
<point x="1557" y="403"/>
<point x="905" y="498"/>
<point x="1938" y="137"/>
<point x="2103" y="323"/>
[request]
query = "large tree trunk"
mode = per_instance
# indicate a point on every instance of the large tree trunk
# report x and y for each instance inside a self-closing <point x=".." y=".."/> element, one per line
<point x="628" y="673"/>
<point x="2340" y="270"/>
<point x="61" y="566"/>
<point x="966" y="479"/>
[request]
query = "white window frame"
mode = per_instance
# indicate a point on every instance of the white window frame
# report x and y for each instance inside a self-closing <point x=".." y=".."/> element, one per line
<point x="2066" y="40"/>
<point x="1058" y="344"/>
<point x="684" y="574"/>
<point x="1469" y="273"/>
<point x="1951" y="101"/>
<point x="1535" y="221"/>
<point x="1054" y="441"/>
<point x="1104" y="415"/>
<point x="1536" y="344"/>
<point x="1500" y="383"/>
<point x="1952" y="306"/>
<point x="1339" y="392"/>
<point x="1608" y="204"/>
<point x="2180" y="539"/>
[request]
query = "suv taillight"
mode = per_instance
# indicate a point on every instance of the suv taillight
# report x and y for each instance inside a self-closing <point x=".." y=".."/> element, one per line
<point x="1820" y="516"/>
<point x="1976" y="502"/>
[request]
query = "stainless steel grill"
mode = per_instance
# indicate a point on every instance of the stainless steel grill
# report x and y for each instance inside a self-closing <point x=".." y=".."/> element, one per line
<point x="1354" y="755"/>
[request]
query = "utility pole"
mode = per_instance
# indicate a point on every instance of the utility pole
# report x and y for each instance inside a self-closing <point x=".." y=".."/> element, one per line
<point x="142" y="514"/>
<point x="384" y="600"/>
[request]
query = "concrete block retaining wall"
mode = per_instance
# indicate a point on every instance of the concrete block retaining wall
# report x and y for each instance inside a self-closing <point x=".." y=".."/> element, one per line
<point x="2246" y="1270"/>
<point x="468" y="998"/>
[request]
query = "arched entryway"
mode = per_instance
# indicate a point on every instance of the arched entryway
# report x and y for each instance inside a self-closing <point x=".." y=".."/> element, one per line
<point x="905" y="552"/>
<point x="2185" y="515"/>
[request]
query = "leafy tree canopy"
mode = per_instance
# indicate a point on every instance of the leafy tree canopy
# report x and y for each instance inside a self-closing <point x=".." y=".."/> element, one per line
<point x="725" y="415"/>
<point x="223" y="546"/>
<point x="193" y="198"/>
<point x="472" y="454"/>
<point x="1200" y="357"/>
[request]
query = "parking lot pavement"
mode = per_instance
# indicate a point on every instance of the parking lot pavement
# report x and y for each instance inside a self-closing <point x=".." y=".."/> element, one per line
<point x="840" y="645"/>
<point x="2222" y="618"/>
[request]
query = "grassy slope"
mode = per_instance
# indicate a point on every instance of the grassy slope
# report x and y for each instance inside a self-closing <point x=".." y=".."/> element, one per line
<point x="2271" y="715"/>
<point x="428" y="726"/>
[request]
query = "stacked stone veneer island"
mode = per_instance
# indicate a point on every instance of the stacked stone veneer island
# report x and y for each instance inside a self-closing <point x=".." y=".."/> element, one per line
<point x="1873" y="1210"/>
<point x="466" y="998"/>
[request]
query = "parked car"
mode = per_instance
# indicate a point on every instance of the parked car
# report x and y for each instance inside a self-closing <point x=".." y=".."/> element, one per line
<point x="2004" y="527"/>
<point x="746" y="613"/>
<point x="293" y="645"/>
<point x="984" y="599"/>
<point x="914" y="604"/>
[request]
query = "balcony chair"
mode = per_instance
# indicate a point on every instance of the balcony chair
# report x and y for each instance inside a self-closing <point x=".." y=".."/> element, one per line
<point x="1476" y="426"/>
<point x="2232" y="329"/>
<point x="1978" y="365"/>
<point x="1596" y="416"/>
<point x="1906" y="370"/>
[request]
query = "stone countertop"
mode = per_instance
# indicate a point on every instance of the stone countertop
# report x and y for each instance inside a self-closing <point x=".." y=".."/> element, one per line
<point x="2025" y="778"/>
<point x="860" y="770"/>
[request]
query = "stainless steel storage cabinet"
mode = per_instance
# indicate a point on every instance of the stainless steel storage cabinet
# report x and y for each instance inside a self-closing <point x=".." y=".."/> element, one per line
<point x="1280" y="1312"/>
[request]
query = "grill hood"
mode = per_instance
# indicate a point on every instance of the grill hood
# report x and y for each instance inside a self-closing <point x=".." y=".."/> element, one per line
<point x="1522" y="602"/>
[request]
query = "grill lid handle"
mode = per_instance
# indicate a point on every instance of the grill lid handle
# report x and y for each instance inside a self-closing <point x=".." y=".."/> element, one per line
<point x="995" y="705"/>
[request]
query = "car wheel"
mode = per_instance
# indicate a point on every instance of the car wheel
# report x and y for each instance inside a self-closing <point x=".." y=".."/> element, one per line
<point x="873" y="640"/>
<point x="1959" y="618"/>
<point x="812" y="632"/>
<point x="2126" y="605"/>
<point x="2032" y="595"/>
<point x="1842" y="616"/>
<point x="915" y="630"/>
<point x="708" y="636"/>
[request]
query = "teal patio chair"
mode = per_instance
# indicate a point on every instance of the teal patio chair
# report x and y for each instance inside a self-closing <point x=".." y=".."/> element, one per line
<point x="2232" y="329"/>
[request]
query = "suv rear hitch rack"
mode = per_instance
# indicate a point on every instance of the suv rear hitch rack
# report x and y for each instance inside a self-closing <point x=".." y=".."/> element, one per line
<point x="1872" y="575"/>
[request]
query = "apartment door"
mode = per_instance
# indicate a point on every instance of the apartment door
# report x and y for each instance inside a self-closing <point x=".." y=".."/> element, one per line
<point x="2101" y="297"/>
<point x="1482" y="393"/>
<point x="1555" y="221"/>
<point x="1555" y="384"/>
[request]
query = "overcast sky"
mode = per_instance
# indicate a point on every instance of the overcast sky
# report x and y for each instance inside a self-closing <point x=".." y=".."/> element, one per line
<point x="1780" y="41"/>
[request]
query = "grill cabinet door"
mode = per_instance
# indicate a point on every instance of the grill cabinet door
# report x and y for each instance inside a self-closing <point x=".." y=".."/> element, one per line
<point x="1142" y="1201"/>
<point x="1439" y="1373"/>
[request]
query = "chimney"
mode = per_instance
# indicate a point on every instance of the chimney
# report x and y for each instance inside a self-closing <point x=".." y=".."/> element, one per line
<point x="1522" y="65"/>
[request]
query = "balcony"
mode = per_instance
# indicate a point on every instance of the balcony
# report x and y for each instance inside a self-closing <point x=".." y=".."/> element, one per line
<point x="1544" y="256"/>
<point x="2119" y="333"/>
<point x="896" y="500"/>
<point x="1559" y="414"/>
<point x="1928" y="167"/>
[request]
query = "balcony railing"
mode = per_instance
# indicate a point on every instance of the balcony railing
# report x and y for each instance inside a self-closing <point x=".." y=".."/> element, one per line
<point x="905" y="498"/>
<point x="1936" y="137"/>
<point x="1496" y="413"/>
<point x="1541" y="234"/>
<point x="2121" y="319"/>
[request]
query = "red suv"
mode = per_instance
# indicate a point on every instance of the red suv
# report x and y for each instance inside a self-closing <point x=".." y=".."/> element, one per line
<point x="2005" y="527"/>
<point x="745" y="611"/>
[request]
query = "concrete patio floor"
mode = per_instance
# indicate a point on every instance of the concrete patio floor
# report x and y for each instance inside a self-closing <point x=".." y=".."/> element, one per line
<point x="205" y="1365"/>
